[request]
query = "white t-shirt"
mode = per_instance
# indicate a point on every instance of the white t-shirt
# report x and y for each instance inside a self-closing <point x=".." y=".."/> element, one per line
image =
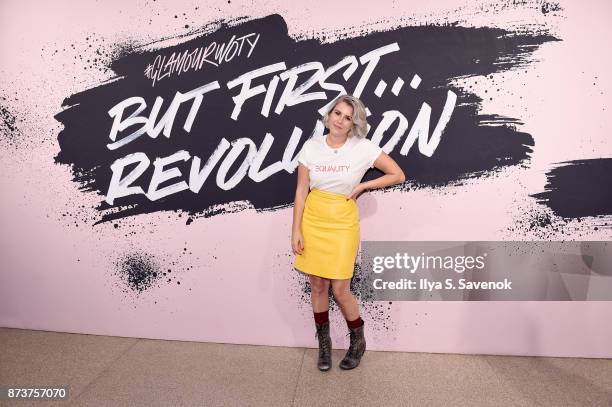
<point x="337" y="169"/>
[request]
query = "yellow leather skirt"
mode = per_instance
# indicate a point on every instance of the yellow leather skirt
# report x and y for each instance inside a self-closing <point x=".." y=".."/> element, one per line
<point x="330" y="227"/>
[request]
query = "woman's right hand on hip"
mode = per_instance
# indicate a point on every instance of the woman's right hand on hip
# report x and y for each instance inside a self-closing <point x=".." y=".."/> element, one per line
<point x="297" y="242"/>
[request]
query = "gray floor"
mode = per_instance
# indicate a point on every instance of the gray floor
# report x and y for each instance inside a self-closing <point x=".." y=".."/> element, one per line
<point x="105" y="371"/>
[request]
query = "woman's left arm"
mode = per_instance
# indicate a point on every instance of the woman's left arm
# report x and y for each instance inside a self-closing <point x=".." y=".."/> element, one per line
<point x="393" y="175"/>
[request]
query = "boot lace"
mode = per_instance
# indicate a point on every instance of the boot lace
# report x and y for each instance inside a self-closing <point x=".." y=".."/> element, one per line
<point x="324" y="343"/>
<point x="352" y="350"/>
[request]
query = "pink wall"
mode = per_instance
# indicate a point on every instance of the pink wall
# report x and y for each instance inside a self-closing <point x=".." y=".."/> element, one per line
<point x="238" y="287"/>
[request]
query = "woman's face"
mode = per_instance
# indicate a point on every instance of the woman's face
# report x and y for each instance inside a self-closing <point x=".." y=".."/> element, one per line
<point x="340" y="119"/>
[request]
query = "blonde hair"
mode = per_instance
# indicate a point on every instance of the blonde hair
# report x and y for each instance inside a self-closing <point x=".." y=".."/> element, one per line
<point x="360" y="124"/>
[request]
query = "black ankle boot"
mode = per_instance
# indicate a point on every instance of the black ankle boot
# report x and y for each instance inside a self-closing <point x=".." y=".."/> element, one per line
<point x="355" y="350"/>
<point x="325" y="347"/>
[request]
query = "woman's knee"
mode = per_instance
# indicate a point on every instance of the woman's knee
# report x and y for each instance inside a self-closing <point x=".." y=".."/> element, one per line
<point x="342" y="292"/>
<point x="319" y="285"/>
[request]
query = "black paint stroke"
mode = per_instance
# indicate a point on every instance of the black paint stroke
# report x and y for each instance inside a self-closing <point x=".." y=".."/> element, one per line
<point x="471" y="146"/>
<point x="579" y="188"/>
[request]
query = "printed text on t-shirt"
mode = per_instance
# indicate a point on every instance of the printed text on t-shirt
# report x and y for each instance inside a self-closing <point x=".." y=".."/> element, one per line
<point x="331" y="168"/>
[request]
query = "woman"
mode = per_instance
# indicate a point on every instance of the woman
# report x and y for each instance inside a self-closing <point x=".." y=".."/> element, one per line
<point x="325" y="232"/>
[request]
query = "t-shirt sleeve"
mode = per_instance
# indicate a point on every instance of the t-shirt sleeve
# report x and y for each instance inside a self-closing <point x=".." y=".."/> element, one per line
<point x="373" y="152"/>
<point x="303" y="157"/>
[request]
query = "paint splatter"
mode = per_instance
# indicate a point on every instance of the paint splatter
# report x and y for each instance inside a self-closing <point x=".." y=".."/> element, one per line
<point x="9" y="132"/>
<point x="139" y="272"/>
<point x="549" y="7"/>
<point x="540" y="220"/>
<point x="378" y="313"/>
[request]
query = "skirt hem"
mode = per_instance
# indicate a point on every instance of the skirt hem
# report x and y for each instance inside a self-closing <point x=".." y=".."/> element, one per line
<point x="322" y="275"/>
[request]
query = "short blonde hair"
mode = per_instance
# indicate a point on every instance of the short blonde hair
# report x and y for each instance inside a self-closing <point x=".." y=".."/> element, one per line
<point x="360" y="124"/>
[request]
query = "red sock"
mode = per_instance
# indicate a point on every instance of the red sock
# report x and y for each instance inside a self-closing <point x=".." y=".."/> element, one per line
<point x="355" y="324"/>
<point x="321" y="317"/>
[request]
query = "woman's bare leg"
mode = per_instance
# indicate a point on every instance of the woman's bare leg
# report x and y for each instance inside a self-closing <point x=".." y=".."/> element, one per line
<point x="345" y="299"/>
<point x="319" y="288"/>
